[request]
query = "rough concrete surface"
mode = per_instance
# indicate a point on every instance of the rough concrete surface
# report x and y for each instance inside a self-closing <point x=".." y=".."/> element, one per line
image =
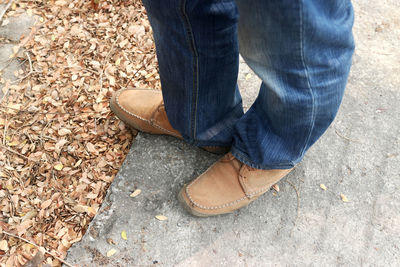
<point x="17" y="26"/>
<point x="359" y="156"/>
<point x="10" y="35"/>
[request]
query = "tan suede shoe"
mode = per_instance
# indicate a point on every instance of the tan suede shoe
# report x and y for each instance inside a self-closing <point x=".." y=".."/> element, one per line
<point x="226" y="186"/>
<point x="143" y="110"/>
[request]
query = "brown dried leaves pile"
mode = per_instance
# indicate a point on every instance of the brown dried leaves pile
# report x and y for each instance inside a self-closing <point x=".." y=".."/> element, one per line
<point x="60" y="146"/>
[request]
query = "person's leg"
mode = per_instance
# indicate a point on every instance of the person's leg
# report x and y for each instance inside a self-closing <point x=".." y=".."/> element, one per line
<point x="301" y="49"/>
<point x="302" y="52"/>
<point x="197" y="50"/>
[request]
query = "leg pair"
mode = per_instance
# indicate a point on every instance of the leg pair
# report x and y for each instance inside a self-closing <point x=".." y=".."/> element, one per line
<point x="302" y="52"/>
<point x="300" y="49"/>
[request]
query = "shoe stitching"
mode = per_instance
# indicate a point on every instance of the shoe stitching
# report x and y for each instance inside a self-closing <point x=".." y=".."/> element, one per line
<point x="265" y="188"/>
<point x="242" y="180"/>
<point x="210" y="207"/>
<point x="213" y="207"/>
<point x="138" y="117"/>
<point x="253" y="193"/>
<point x="124" y="109"/>
<point x="158" y="126"/>
<point x="248" y="195"/>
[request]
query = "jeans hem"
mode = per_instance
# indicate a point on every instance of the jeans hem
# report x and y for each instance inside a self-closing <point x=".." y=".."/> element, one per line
<point x="244" y="159"/>
<point x="209" y="144"/>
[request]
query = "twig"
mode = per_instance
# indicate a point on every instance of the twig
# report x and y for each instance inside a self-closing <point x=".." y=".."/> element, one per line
<point x="33" y="244"/>
<point x="105" y="61"/>
<point x="16" y="152"/>
<point x="344" y="137"/>
<point x="5" y="130"/>
<point x="49" y="138"/>
<point x="30" y="68"/>
<point x="134" y="74"/>
<point x="5" y="10"/>
<point x="44" y="128"/>
<point x="23" y="78"/>
<point x="298" y="204"/>
<point x="30" y="61"/>
<point x="92" y="71"/>
<point x="69" y="103"/>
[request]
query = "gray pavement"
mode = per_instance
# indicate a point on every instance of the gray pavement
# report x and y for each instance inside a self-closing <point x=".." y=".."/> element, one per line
<point x="10" y="34"/>
<point x="359" y="156"/>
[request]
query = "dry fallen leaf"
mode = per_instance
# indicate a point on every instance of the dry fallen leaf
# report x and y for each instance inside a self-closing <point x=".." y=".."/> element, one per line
<point x="60" y="144"/>
<point x="111" y="252"/>
<point x="161" y="217"/>
<point x="13" y="143"/>
<point x="276" y="187"/>
<point x="78" y="163"/>
<point x="64" y="131"/>
<point x="344" y="198"/>
<point x="13" y="108"/>
<point x="46" y="204"/>
<point x="323" y="186"/>
<point x="91" y="148"/>
<point x="110" y="241"/>
<point x="123" y="235"/>
<point x="112" y="80"/>
<point x="58" y="167"/>
<point x="123" y="43"/>
<point x="81" y="208"/>
<point x="29" y="215"/>
<point x="3" y="245"/>
<point x="136" y="193"/>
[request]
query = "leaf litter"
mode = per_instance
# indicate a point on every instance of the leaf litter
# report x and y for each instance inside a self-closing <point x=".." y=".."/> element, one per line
<point x="60" y="145"/>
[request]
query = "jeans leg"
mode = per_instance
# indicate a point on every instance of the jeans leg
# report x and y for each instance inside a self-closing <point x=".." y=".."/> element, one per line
<point x="301" y="49"/>
<point x="197" y="50"/>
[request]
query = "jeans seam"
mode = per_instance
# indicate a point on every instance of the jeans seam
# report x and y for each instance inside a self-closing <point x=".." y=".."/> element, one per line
<point x="244" y="159"/>
<point x="192" y="45"/>
<point x="306" y="72"/>
<point x="212" y="144"/>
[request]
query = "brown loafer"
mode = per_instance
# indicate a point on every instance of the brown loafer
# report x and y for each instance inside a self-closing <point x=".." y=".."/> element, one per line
<point x="226" y="186"/>
<point x="143" y="110"/>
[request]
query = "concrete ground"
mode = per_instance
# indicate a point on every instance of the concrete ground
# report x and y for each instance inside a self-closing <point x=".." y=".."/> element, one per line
<point x="359" y="157"/>
<point x="11" y="30"/>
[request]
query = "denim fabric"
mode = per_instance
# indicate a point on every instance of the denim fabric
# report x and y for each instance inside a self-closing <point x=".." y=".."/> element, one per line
<point x="301" y="50"/>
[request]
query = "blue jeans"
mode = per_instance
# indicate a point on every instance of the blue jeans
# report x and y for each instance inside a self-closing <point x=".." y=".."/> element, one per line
<point x="301" y="50"/>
